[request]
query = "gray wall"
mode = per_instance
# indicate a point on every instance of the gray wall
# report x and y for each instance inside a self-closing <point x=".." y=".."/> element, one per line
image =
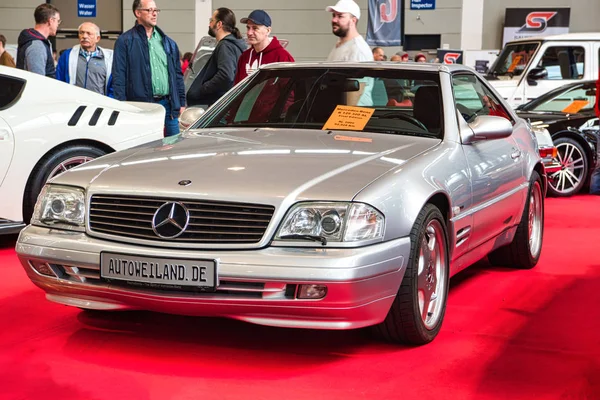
<point x="585" y="16"/>
<point x="16" y="15"/>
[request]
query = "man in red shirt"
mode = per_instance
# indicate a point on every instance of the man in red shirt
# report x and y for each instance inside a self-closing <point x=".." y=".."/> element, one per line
<point x="263" y="49"/>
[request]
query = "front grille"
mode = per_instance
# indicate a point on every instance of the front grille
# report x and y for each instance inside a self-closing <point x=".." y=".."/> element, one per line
<point x="210" y="222"/>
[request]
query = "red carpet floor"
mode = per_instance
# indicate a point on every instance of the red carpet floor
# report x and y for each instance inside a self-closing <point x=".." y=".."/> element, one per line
<point x="507" y="335"/>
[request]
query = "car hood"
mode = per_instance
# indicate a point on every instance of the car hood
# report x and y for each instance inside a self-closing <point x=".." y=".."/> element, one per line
<point x="264" y="166"/>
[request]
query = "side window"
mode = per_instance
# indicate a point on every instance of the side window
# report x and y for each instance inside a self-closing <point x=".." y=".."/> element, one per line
<point x="473" y="98"/>
<point x="563" y="62"/>
<point x="11" y="91"/>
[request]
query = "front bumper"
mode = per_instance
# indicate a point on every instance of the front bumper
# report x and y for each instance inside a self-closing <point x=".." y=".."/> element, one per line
<point x="256" y="286"/>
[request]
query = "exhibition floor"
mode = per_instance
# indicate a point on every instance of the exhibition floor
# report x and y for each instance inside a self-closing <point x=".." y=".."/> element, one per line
<point x="507" y="334"/>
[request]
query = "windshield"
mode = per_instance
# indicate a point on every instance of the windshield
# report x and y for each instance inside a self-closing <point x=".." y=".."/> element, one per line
<point x="391" y="101"/>
<point x="575" y="100"/>
<point x="513" y="59"/>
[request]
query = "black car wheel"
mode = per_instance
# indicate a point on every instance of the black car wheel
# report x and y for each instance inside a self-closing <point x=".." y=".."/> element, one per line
<point x="418" y="310"/>
<point x="54" y="164"/>
<point x="575" y="166"/>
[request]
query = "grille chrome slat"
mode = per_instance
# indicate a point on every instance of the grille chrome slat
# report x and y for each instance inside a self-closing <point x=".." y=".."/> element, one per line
<point x="101" y="210"/>
<point x="209" y="222"/>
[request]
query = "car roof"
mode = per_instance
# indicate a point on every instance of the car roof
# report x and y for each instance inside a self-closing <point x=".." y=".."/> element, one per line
<point x="583" y="36"/>
<point x="414" y="66"/>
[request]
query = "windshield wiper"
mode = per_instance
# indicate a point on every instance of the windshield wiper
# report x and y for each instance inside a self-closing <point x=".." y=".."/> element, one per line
<point x="314" y="238"/>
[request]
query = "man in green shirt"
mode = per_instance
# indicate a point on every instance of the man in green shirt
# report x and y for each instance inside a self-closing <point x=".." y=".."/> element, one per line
<point x="146" y="66"/>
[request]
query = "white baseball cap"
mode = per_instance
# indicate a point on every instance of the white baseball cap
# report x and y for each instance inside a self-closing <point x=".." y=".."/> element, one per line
<point x="345" y="6"/>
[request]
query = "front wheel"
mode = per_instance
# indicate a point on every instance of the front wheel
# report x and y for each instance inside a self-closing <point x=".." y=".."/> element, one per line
<point x="574" y="168"/>
<point x="418" y="310"/>
<point x="52" y="165"/>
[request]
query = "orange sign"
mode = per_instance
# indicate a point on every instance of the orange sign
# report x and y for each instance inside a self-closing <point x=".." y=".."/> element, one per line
<point x="353" y="139"/>
<point x="349" y="118"/>
<point x="514" y="64"/>
<point x="575" y="106"/>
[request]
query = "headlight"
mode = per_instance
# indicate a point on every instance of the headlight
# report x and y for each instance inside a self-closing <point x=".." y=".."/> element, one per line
<point x="336" y="222"/>
<point x="60" y="207"/>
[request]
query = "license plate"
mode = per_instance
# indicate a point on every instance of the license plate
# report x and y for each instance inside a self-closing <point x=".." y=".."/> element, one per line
<point x="159" y="271"/>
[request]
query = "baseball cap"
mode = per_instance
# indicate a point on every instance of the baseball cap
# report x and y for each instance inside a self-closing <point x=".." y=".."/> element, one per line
<point x="345" y="6"/>
<point x="402" y="53"/>
<point x="259" y="17"/>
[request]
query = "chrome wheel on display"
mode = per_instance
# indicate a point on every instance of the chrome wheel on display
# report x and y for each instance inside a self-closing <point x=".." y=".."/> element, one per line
<point x="431" y="279"/>
<point x="536" y="215"/>
<point x="68" y="164"/>
<point x="571" y="177"/>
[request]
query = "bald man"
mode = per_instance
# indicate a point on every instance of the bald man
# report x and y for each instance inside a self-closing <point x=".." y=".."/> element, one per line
<point x="87" y="65"/>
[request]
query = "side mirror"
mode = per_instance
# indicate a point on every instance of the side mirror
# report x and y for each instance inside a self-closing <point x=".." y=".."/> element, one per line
<point x="487" y="127"/>
<point x="189" y="116"/>
<point x="536" y="74"/>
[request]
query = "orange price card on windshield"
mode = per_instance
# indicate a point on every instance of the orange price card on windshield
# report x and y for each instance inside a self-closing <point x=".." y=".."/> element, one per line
<point x="575" y="106"/>
<point x="349" y="118"/>
<point x="514" y="63"/>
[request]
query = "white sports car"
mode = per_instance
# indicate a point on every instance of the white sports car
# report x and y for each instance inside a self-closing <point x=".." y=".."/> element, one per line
<point x="47" y="127"/>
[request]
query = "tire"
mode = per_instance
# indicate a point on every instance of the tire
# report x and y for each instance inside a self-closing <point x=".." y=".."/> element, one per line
<point x="525" y="249"/>
<point x="407" y="321"/>
<point x="52" y="165"/>
<point x="575" y="167"/>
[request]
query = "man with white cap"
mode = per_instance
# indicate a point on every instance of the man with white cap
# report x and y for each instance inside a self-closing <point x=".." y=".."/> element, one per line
<point x="351" y="46"/>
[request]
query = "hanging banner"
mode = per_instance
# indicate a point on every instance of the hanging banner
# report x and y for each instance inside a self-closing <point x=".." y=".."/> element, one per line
<point x="384" y="24"/>
<point x="522" y="23"/>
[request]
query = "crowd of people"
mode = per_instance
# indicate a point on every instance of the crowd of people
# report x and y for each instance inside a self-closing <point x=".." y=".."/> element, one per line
<point x="146" y="65"/>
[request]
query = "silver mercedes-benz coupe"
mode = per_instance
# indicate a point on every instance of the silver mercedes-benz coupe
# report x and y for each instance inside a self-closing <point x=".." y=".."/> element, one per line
<point x="322" y="196"/>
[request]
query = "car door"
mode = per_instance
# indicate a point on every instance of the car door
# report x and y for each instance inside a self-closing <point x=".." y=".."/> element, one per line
<point x="562" y="63"/>
<point x="7" y="146"/>
<point x="496" y="166"/>
<point x="11" y="92"/>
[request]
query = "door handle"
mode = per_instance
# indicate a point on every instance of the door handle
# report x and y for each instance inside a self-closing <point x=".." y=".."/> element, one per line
<point x="515" y="154"/>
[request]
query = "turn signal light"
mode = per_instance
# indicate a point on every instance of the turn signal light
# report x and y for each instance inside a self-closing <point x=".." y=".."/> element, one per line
<point x="313" y="292"/>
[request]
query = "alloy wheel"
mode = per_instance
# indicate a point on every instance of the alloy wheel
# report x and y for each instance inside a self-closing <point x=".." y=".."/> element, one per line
<point x="68" y="164"/>
<point x="431" y="280"/>
<point x="536" y="216"/>
<point x="568" y="180"/>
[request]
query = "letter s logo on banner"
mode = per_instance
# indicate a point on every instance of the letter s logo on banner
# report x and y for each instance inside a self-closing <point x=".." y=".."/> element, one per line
<point x="388" y="11"/>
<point x="451" y="58"/>
<point x="537" y="21"/>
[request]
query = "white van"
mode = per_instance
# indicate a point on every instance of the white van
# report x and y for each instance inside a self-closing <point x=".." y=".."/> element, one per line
<point x="528" y="68"/>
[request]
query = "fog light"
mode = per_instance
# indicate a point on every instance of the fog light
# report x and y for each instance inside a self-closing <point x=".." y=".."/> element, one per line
<point x="43" y="268"/>
<point x="311" y="291"/>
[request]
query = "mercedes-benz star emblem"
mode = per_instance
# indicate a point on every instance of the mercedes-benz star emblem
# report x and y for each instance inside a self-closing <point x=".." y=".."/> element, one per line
<point x="170" y="220"/>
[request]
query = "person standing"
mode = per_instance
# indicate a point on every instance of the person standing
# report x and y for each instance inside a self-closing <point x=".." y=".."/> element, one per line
<point x="263" y="49"/>
<point x="146" y="66"/>
<point x="87" y="65"/>
<point x="378" y="54"/>
<point x="218" y="74"/>
<point x="351" y="46"/>
<point x="34" y="53"/>
<point x="5" y="58"/>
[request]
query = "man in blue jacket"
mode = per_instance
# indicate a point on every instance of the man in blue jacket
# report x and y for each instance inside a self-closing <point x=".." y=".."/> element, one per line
<point x="146" y="66"/>
<point x="87" y="65"/>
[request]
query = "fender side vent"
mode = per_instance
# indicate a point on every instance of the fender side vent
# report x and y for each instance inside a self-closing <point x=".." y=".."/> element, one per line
<point x="95" y="116"/>
<point x="113" y="118"/>
<point x="76" y="115"/>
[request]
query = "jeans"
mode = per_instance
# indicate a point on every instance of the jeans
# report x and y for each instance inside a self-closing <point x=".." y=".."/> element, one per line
<point x="595" y="181"/>
<point x="171" y="124"/>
